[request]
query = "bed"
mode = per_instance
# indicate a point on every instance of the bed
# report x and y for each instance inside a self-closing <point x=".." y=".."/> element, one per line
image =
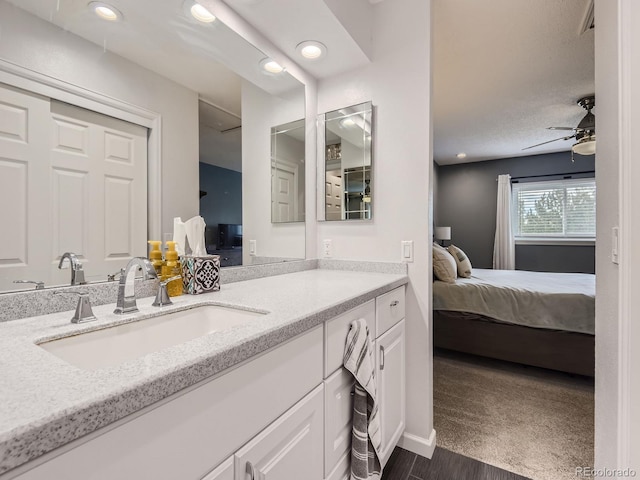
<point x="534" y="318"/>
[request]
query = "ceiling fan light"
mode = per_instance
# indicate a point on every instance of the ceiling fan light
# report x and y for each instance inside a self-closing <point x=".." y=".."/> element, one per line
<point x="585" y="146"/>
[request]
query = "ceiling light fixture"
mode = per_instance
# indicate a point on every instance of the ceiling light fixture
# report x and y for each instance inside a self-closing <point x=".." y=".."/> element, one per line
<point x="201" y="14"/>
<point x="106" y="11"/>
<point x="311" y="50"/>
<point x="347" y="122"/>
<point x="461" y="155"/>
<point x="271" y="66"/>
<point x="585" y="146"/>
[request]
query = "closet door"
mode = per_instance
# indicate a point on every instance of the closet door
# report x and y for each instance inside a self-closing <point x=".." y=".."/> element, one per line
<point x="24" y="186"/>
<point x="98" y="190"/>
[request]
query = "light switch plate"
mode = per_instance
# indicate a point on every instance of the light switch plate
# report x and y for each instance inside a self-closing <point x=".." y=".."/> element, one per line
<point x="406" y="252"/>
<point x="252" y="248"/>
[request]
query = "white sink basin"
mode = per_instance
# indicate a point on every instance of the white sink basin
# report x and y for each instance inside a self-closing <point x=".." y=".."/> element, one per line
<point x="114" y="345"/>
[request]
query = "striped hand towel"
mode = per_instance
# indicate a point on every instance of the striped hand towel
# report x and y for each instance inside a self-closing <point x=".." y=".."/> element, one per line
<point x="365" y="443"/>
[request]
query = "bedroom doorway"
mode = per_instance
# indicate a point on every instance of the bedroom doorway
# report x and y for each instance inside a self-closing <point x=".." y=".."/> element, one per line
<point x="514" y="372"/>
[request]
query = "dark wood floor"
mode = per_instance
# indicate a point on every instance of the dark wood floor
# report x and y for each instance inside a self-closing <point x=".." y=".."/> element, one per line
<point x="444" y="465"/>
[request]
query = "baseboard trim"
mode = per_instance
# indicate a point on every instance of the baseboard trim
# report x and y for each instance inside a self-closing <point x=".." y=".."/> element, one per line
<point x="420" y="445"/>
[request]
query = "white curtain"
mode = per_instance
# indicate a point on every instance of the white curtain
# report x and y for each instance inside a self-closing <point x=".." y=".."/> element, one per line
<point x="504" y="249"/>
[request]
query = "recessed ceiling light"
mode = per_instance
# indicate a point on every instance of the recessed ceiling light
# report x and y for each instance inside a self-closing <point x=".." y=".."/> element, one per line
<point x="461" y="155"/>
<point x="201" y="14"/>
<point x="311" y="49"/>
<point x="106" y="11"/>
<point x="347" y="122"/>
<point x="271" y="66"/>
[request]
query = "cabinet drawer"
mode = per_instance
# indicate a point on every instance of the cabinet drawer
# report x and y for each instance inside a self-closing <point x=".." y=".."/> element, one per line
<point x="389" y="309"/>
<point x="338" y="414"/>
<point x="336" y="332"/>
<point x="290" y="448"/>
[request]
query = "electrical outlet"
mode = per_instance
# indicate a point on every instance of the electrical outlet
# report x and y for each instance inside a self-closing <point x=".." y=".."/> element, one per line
<point x="327" y="248"/>
<point x="253" y="249"/>
<point x="406" y="252"/>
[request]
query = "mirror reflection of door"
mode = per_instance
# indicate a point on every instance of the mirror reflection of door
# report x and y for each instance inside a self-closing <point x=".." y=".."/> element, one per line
<point x="287" y="172"/>
<point x="348" y="187"/>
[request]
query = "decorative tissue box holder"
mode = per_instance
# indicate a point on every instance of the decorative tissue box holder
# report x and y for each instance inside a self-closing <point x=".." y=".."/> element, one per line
<point x="201" y="274"/>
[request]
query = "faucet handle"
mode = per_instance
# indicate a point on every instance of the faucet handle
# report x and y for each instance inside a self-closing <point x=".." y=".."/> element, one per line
<point x="39" y="284"/>
<point x="111" y="277"/>
<point x="162" y="297"/>
<point x="84" y="313"/>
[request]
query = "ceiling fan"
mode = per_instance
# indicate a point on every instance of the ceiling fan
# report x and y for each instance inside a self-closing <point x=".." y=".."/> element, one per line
<point x="584" y="133"/>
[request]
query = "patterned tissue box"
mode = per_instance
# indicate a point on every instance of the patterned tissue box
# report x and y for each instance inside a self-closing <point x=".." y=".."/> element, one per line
<point x="201" y="274"/>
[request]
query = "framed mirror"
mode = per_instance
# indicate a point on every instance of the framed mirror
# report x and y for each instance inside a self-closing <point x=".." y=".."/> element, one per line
<point x="192" y="93"/>
<point x="287" y="172"/>
<point x="345" y="136"/>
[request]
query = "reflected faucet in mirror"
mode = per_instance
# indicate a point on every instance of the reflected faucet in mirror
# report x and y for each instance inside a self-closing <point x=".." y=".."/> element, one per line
<point x="126" y="302"/>
<point x="77" y="273"/>
<point x="39" y="285"/>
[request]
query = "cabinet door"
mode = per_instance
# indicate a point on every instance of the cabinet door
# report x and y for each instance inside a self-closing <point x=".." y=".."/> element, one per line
<point x="223" y="472"/>
<point x="390" y="369"/>
<point x="290" y="448"/>
<point x="338" y="415"/>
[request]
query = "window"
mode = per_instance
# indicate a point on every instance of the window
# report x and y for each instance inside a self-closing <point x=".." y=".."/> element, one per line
<point x="559" y="210"/>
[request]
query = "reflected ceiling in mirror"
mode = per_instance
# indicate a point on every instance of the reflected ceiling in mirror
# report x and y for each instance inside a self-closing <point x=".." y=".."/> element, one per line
<point x="195" y="76"/>
<point x="347" y="163"/>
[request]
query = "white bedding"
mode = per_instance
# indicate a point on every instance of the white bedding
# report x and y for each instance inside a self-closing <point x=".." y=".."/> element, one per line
<point x="558" y="301"/>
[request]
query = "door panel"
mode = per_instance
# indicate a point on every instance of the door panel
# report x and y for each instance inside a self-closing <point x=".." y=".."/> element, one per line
<point x="290" y="448"/>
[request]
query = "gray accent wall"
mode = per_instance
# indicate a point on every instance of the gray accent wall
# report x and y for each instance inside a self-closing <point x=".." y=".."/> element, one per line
<point x="223" y="202"/>
<point x="466" y="201"/>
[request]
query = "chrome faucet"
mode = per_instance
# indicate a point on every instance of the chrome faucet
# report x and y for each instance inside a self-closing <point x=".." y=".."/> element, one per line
<point x="126" y="302"/>
<point x="77" y="273"/>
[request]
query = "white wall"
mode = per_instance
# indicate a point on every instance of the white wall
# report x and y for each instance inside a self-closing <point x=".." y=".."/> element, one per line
<point x="40" y="46"/>
<point x="617" y="434"/>
<point x="260" y="112"/>
<point x="398" y="83"/>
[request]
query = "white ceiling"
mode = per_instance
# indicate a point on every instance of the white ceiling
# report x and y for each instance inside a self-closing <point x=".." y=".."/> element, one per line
<point x="287" y="23"/>
<point x="503" y="71"/>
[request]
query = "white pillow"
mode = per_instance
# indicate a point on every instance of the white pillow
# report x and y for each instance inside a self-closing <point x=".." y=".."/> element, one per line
<point x="462" y="261"/>
<point x="444" y="265"/>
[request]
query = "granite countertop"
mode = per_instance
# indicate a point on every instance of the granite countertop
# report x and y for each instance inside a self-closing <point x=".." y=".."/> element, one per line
<point x="46" y="402"/>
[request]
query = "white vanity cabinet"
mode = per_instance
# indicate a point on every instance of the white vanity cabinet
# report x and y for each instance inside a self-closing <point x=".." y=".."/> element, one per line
<point x="223" y="472"/>
<point x="385" y="319"/>
<point x="284" y="414"/>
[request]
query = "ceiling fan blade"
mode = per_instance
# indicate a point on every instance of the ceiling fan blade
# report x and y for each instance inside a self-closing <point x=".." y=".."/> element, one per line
<point x="554" y="140"/>
<point x="562" y="128"/>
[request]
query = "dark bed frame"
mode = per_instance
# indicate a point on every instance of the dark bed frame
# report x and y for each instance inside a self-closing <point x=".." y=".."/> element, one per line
<point x="479" y="335"/>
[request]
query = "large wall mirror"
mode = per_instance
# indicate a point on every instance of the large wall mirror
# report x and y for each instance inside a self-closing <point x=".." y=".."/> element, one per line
<point x="100" y="116"/>
<point x="345" y="136"/>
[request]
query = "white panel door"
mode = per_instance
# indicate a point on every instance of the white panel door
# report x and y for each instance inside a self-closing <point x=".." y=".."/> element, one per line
<point x="390" y="375"/>
<point x="98" y="191"/>
<point x="24" y="182"/>
<point x="284" y="192"/>
<point x="333" y="197"/>
<point x="290" y="448"/>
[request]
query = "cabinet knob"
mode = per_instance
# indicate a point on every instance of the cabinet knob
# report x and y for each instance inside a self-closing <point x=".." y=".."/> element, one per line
<point x="394" y="303"/>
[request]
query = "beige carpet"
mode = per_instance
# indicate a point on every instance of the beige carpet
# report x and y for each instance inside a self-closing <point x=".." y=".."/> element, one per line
<point x="530" y="421"/>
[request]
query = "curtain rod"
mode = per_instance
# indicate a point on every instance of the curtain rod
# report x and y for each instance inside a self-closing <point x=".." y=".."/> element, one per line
<point x="567" y="174"/>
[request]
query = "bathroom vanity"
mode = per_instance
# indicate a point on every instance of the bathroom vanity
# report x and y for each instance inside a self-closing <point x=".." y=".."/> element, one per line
<point x="266" y="399"/>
